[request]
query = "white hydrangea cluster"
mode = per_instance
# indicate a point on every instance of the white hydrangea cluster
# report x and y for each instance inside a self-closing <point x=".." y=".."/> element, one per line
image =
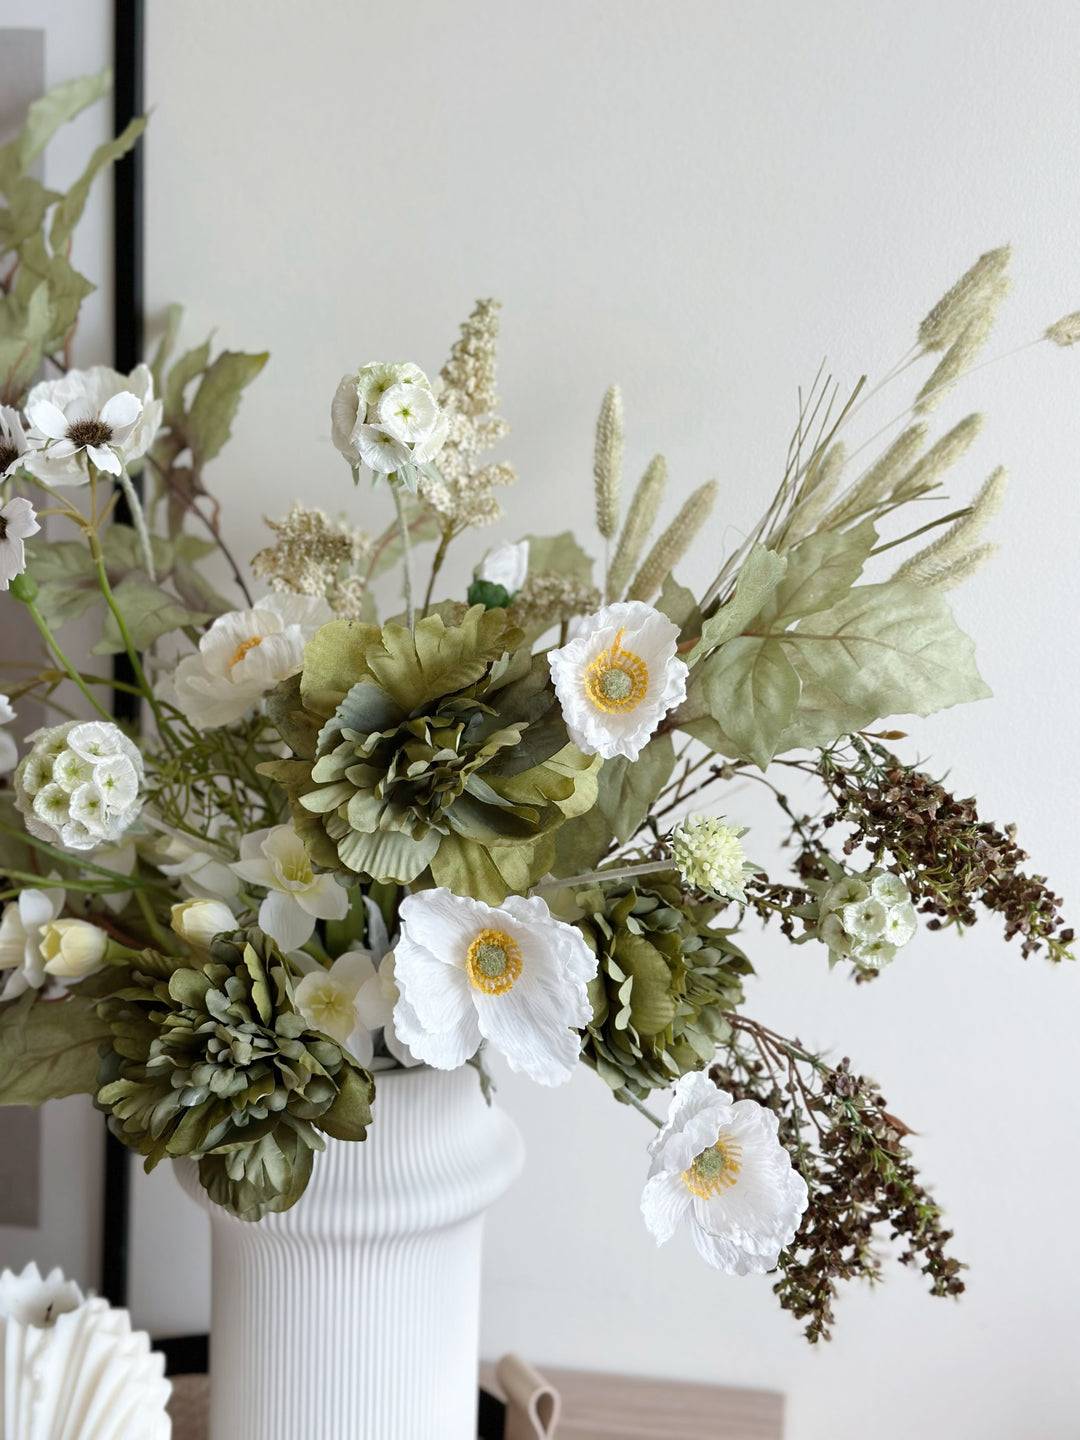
<point x="387" y="418"/>
<point x="80" y="785"/>
<point x="709" y="855"/>
<point x="867" y="918"/>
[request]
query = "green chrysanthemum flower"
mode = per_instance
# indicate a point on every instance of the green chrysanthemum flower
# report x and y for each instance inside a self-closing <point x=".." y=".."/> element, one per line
<point x="665" y="979"/>
<point x="211" y="1061"/>
<point x="442" y="749"/>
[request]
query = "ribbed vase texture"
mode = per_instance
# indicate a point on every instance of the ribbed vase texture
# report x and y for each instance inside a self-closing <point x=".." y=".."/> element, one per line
<point x="355" y="1315"/>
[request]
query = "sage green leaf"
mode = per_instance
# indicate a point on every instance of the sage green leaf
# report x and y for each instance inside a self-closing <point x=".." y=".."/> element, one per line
<point x="55" y="108"/>
<point x="190" y="365"/>
<point x="891" y="649"/>
<point x="334" y="661"/>
<point x="209" y="421"/>
<point x="820" y="571"/>
<point x="560" y="554"/>
<point x="582" y="844"/>
<point x="150" y="613"/>
<point x="49" y="1049"/>
<point x="628" y="788"/>
<point x="69" y="211"/>
<point x="67" y="288"/>
<point x="174" y="315"/>
<point x="761" y="572"/>
<point x="750" y="689"/>
<point x="350" y="1114"/>
<point x="680" y="607"/>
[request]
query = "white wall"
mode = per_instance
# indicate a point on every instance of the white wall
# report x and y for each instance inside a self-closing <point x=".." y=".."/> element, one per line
<point x="699" y="199"/>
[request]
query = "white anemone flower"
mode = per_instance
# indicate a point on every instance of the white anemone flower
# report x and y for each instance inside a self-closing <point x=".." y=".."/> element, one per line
<point x="277" y="861"/>
<point x="21" y="927"/>
<point x="506" y="565"/>
<point x="718" y="1165"/>
<point x="514" y="976"/>
<point x="618" y="678"/>
<point x="97" y="415"/>
<point x="243" y="655"/>
<point x="18" y="521"/>
<point x="9" y="751"/>
<point x="13" y="441"/>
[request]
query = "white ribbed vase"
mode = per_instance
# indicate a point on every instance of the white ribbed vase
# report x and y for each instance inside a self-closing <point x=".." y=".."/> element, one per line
<point x="355" y="1315"/>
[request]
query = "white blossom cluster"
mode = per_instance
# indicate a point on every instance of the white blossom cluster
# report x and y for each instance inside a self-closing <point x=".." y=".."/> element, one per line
<point x="80" y="785"/>
<point x="387" y="418"/>
<point x="867" y="918"/>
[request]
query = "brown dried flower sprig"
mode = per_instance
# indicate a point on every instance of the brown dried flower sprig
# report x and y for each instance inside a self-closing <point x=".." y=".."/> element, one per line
<point x="863" y="1187"/>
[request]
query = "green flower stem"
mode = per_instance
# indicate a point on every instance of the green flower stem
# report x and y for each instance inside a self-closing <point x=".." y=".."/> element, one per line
<point x="65" y="664"/>
<point x="406" y="558"/>
<point x="639" y="1105"/>
<point x="436" y="566"/>
<point x="622" y="872"/>
<point x="162" y="938"/>
<point x="130" y="882"/>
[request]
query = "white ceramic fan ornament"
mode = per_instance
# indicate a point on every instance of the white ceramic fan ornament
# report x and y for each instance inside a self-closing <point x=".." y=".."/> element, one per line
<point x="72" y="1368"/>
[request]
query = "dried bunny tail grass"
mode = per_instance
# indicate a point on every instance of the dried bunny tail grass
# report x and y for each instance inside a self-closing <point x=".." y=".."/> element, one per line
<point x="959" y="356"/>
<point x="673" y="543"/>
<point x="639" y="521"/>
<point x="607" y="462"/>
<point x="925" y="474"/>
<point x="878" y="482"/>
<point x="1065" y="331"/>
<point x="954" y="556"/>
<point x="968" y="297"/>
<point x="815" y="494"/>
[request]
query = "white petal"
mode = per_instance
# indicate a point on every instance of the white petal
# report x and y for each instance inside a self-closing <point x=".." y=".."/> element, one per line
<point x="445" y="1050"/>
<point x="283" y="920"/>
<point x="20" y="518"/>
<point x="664" y="1203"/>
<point x="529" y="1036"/>
<point x="12" y="560"/>
<point x="121" y="410"/>
<point x="380" y="451"/>
<point x="105" y="459"/>
<point x="46" y="417"/>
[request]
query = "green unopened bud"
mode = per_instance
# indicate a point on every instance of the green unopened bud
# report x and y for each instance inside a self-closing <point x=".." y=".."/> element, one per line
<point x="488" y="594"/>
<point x="24" y="588"/>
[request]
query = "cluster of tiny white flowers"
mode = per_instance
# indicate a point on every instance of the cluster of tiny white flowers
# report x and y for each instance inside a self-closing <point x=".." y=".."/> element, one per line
<point x="80" y="785"/>
<point x="710" y="856"/>
<point x="867" y="918"/>
<point x="387" y="418"/>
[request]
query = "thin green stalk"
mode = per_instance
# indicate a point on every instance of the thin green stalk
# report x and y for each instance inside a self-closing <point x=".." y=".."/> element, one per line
<point x="639" y="1105"/>
<point x="65" y="664"/>
<point x="406" y="557"/>
<point x="648" y="867"/>
<point x="436" y="566"/>
<point x="162" y="938"/>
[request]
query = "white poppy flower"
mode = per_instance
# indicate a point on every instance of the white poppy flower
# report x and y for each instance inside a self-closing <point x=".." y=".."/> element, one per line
<point x="80" y="785"/>
<point x="243" y="655"/>
<point x="13" y="442"/>
<point x="9" y="751"/>
<point x="277" y="861"/>
<point x="72" y="949"/>
<point x="94" y="414"/>
<point x="18" y="520"/>
<point x="514" y="976"/>
<point x="199" y="922"/>
<point x="506" y="565"/>
<point x="618" y="678"/>
<point x="20" y="939"/>
<point x="718" y="1165"/>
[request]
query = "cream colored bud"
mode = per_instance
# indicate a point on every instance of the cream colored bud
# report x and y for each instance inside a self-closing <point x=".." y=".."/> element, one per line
<point x="1065" y="331"/>
<point x="199" y="921"/>
<point x="72" y="949"/>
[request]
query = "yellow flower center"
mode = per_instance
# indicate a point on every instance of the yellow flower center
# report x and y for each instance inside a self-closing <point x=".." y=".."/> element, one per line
<point x="493" y="962"/>
<point x="616" y="681"/>
<point x="715" y="1169"/>
<point x="243" y="648"/>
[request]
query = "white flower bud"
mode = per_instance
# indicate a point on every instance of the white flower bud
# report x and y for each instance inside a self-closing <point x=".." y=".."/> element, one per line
<point x="199" y="921"/>
<point x="72" y="949"/>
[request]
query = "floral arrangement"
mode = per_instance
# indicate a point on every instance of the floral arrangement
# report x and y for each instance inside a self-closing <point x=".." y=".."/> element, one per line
<point x="347" y="831"/>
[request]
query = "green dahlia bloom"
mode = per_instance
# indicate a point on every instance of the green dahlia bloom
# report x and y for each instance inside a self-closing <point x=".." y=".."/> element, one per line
<point x="443" y="749"/>
<point x="211" y="1061"/>
<point x="664" y="981"/>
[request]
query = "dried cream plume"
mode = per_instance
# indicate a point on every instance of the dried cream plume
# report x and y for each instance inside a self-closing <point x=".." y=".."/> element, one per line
<point x="315" y="555"/>
<point x="957" y="358"/>
<point x="607" y="462"/>
<point x="549" y="599"/>
<point x="954" y="556"/>
<point x="639" y="521"/>
<point x="925" y="474"/>
<point x="815" y="493"/>
<point x="877" y="484"/>
<point x="1065" y="331"/>
<point x="673" y="543"/>
<point x="975" y="289"/>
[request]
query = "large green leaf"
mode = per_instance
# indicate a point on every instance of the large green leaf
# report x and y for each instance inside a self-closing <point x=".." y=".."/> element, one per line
<point x="761" y="572"/>
<point x="187" y="368"/>
<point x="209" y="421"/>
<point x="49" y="1049"/>
<point x="150" y="613"/>
<point x="680" y="607"/>
<point x="69" y="211"/>
<point x="560" y="554"/>
<point x="55" y="108"/>
<point x="820" y="572"/>
<point x="749" y="689"/>
<point x="628" y="788"/>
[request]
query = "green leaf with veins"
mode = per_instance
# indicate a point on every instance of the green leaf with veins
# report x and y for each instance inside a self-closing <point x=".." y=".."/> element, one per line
<point x="761" y="573"/>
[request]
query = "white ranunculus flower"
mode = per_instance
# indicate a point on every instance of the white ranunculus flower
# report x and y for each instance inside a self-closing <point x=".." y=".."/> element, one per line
<point x="97" y="415"/>
<point x="718" y="1165"/>
<point x="506" y="565"/>
<point x="243" y="655"/>
<point x="13" y="441"/>
<point x="513" y="975"/>
<point x="9" y="751"/>
<point x="618" y="678"/>
<point x="21" y="925"/>
<point x="72" y="949"/>
<point x="80" y="785"/>
<point x="18" y="521"/>
<point x="199" y="922"/>
<point x="277" y="861"/>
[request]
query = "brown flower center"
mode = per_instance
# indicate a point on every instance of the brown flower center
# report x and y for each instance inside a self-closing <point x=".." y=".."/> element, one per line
<point x="89" y="432"/>
<point x="8" y="454"/>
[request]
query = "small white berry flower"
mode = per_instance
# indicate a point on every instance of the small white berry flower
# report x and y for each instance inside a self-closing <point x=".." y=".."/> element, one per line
<point x="866" y="918"/>
<point x="710" y="856"/>
<point x="718" y="1166"/>
<point x="409" y="413"/>
<point x="618" y="678"/>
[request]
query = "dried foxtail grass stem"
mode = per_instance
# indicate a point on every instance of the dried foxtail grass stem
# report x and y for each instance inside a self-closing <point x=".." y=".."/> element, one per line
<point x="638" y="524"/>
<point x="877" y="484"/>
<point x="954" y="556"/>
<point x="926" y="473"/>
<point x="975" y="289"/>
<point x="957" y="359"/>
<point x="814" y="496"/>
<point x="673" y="543"/>
<point x="607" y="462"/>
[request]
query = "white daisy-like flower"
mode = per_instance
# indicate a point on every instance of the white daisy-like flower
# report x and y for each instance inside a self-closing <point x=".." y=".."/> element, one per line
<point x="243" y="655"/>
<point x="618" y="678"/>
<point x="506" y="565"/>
<point x="718" y="1165"/>
<point x="9" y="751"/>
<point x="21" y="926"/>
<point x="513" y="975"/>
<point x="867" y="918"/>
<point x="709" y="855"/>
<point x="18" y="521"/>
<point x="277" y="861"/>
<point x="13" y="441"/>
<point x="80" y="785"/>
<point x="97" y="415"/>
